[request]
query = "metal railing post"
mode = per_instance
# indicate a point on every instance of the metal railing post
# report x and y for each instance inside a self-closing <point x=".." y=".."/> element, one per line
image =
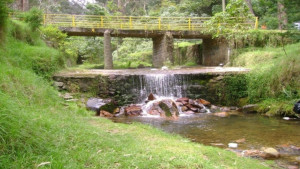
<point x="73" y="21"/>
<point x="101" y="21"/>
<point x="256" y="22"/>
<point x="44" y="19"/>
<point x="130" y="22"/>
<point x="159" y="23"/>
<point x="189" y="23"/>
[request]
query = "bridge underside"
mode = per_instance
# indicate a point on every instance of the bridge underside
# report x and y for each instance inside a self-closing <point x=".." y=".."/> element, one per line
<point x="215" y="51"/>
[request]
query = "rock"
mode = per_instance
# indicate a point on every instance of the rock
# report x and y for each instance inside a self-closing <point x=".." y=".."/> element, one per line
<point x="292" y="167"/>
<point x="188" y="112"/>
<point x="121" y="112"/>
<point x="179" y="104"/>
<point x="183" y="99"/>
<point x="203" y="111"/>
<point x="289" y="150"/>
<point x="242" y="140"/>
<point x="133" y="110"/>
<point x="154" y="112"/>
<point x="67" y="96"/>
<point x="219" y="78"/>
<point x="214" y="108"/>
<point x="169" y="108"/>
<point x="296" y="108"/>
<point x="270" y="153"/>
<point x="297" y="159"/>
<point x="116" y="111"/>
<point x="217" y="144"/>
<point x="105" y="114"/>
<point x="232" y="145"/>
<point x="252" y="153"/>
<point x="58" y="85"/>
<point x="251" y="108"/>
<point x="221" y="114"/>
<point x="184" y="108"/>
<point x="151" y="97"/>
<point x="95" y="104"/>
<point x="204" y="102"/>
<point x="225" y="109"/>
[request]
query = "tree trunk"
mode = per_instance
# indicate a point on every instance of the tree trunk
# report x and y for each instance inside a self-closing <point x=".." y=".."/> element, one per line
<point x="282" y="16"/>
<point x="249" y="4"/>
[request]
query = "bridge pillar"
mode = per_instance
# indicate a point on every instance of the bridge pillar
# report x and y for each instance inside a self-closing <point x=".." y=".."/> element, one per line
<point x="215" y="52"/>
<point x="108" y="59"/>
<point x="163" y="50"/>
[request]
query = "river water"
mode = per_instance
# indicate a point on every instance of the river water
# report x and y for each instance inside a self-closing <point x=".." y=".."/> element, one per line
<point x="258" y="131"/>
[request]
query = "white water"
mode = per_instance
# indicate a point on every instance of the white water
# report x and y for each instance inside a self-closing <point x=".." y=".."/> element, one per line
<point x="162" y="85"/>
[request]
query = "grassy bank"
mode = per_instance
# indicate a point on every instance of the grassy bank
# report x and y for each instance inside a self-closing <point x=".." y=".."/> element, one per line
<point x="37" y="126"/>
<point x="274" y="82"/>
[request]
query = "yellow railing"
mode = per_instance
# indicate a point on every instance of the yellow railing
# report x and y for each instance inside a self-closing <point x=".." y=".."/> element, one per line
<point x="132" y="22"/>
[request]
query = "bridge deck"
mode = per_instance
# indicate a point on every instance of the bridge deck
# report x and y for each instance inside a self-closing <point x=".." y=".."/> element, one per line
<point x="135" y="26"/>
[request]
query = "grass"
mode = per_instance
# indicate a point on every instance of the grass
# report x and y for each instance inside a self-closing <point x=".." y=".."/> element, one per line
<point x="37" y="126"/>
<point x="274" y="81"/>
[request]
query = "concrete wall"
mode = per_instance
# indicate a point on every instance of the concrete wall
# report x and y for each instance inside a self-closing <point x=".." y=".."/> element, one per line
<point x="125" y="89"/>
<point x="108" y="58"/>
<point x="163" y="47"/>
<point x="215" y="52"/>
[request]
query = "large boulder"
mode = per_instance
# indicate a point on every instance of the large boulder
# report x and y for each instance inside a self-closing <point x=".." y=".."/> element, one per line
<point x="169" y="108"/>
<point x="297" y="107"/>
<point x="270" y="153"/>
<point x="96" y="104"/>
<point x="204" y="102"/>
<point x="165" y="108"/>
<point x="133" y="110"/>
<point x="251" y="108"/>
<point x="151" y="97"/>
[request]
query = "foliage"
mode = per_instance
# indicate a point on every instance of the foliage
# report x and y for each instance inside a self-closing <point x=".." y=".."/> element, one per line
<point x="267" y="12"/>
<point x="200" y="7"/>
<point x="236" y="15"/>
<point x="3" y="16"/>
<point x="234" y="88"/>
<point x="34" y="18"/>
<point x="134" y="52"/>
<point x="40" y="58"/>
<point x="54" y="36"/>
<point x="95" y="9"/>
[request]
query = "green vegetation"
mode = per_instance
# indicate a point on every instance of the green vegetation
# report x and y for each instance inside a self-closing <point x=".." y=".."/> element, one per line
<point x="274" y="79"/>
<point x="37" y="126"/>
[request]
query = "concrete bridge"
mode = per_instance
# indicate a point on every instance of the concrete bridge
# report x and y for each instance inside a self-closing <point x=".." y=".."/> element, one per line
<point x="162" y="30"/>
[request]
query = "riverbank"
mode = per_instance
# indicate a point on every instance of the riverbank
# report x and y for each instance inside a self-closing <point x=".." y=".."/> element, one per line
<point x="274" y="80"/>
<point x="38" y="128"/>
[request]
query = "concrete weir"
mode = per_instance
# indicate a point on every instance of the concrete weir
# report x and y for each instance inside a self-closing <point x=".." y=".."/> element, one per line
<point x="133" y="85"/>
<point x="214" y="52"/>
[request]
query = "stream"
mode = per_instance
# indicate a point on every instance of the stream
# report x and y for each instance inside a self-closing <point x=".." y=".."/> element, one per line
<point x="258" y="131"/>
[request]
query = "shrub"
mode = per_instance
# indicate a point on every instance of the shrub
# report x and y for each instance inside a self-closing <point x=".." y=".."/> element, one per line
<point x="34" y="18"/>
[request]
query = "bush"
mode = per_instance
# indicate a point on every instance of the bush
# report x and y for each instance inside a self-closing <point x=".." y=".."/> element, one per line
<point x="34" y="18"/>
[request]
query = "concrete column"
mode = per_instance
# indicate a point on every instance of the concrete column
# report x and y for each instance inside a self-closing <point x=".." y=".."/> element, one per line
<point x="215" y="52"/>
<point x="108" y="59"/>
<point x="163" y="47"/>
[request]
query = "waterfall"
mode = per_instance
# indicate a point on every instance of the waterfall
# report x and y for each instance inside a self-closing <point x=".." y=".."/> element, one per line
<point x="162" y="85"/>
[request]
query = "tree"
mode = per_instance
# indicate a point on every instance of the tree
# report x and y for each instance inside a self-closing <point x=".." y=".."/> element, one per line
<point x="249" y="4"/>
<point x="282" y="16"/>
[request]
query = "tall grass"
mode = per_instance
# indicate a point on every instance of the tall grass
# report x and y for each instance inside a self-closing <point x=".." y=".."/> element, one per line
<point x="275" y="76"/>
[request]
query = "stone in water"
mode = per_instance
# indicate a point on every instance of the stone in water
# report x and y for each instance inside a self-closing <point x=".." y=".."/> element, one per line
<point x="232" y="145"/>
